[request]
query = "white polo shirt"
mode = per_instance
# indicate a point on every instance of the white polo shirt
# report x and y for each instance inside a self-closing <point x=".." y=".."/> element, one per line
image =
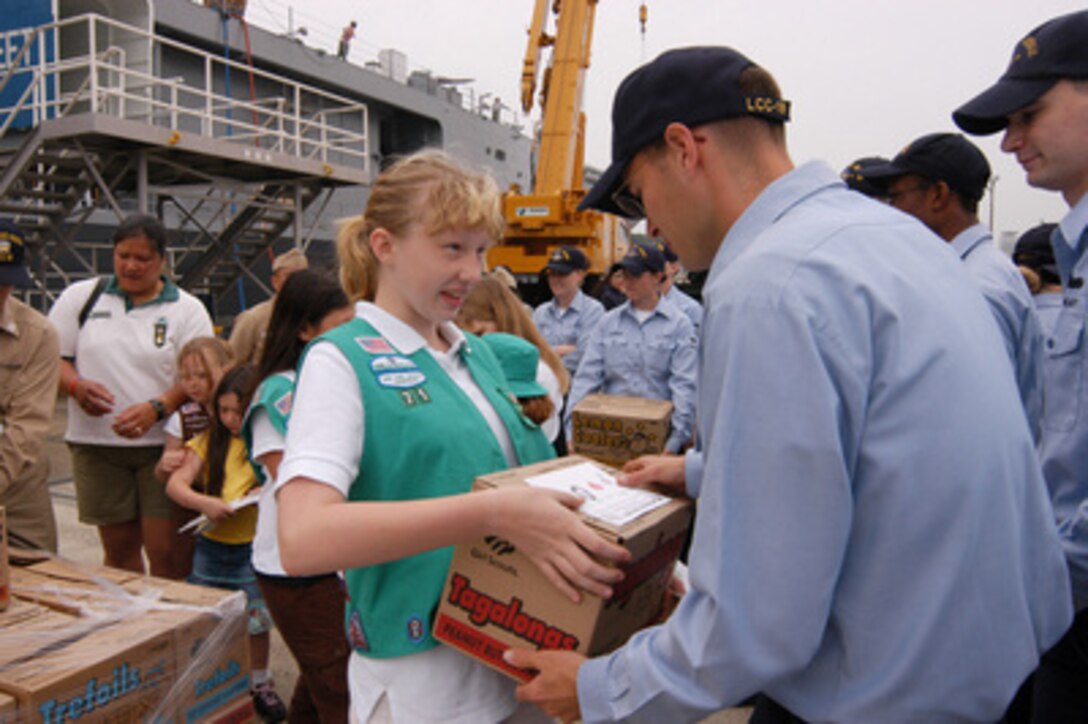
<point x="132" y="351"/>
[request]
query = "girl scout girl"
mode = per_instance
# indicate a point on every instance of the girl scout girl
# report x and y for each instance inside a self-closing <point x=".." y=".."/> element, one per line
<point x="394" y="414"/>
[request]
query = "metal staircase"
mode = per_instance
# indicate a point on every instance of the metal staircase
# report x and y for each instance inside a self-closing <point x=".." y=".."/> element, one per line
<point x="247" y="237"/>
<point x="89" y="136"/>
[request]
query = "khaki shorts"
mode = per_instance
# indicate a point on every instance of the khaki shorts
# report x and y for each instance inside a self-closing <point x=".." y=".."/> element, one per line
<point x="117" y="484"/>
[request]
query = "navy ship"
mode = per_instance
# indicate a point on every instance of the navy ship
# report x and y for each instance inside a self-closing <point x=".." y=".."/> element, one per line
<point x="244" y="141"/>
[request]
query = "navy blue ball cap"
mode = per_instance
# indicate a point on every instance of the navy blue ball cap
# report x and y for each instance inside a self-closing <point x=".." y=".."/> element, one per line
<point x="1034" y="251"/>
<point x="13" y="269"/>
<point x="1055" y="50"/>
<point x="692" y="86"/>
<point x="947" y="157"/>
<point x="856" y="176"/>
<point x="566" y="259"/>
<point x="642" y="258"/>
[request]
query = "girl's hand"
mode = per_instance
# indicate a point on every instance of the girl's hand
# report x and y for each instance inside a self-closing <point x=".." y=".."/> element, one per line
<point x="215" y="509"/>
<point x="542" y="523"/>
<point x="93" y="398"/>
<point x="135" y="420"/>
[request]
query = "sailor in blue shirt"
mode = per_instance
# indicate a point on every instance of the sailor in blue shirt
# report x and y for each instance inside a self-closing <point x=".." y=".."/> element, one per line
<point x="1035" y="259"/>
<point x="873" y="541"/>
<point x="568" y="319"/>
<point x="940" y="179"/>
<point x="643" y="348"/>
<point x="1041" y="103"/>
<point x="691" y="308"/>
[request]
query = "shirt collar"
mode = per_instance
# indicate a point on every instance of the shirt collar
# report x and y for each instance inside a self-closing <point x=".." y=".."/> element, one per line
<point x="965" y="241"/>
<point x="663" y="307"/>
<point x="772" y="204"/>
<point x="405" y="339"/>
<point x="7" y="318"/>
<point x="1075" y="222"/>
<point x="169" y="293"/>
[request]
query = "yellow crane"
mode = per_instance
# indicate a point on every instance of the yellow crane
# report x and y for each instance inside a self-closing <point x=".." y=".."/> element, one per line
<point x="547" y="217"/>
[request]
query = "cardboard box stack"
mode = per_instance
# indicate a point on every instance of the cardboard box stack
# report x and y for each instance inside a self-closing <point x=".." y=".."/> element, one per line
<point x="97" y="644"/>
<point x="495" y="597"/>
<point x="613" y="429"/>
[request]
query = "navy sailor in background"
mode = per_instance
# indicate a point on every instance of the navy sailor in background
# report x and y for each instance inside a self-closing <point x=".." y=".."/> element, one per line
<point x="1041" y="103"/>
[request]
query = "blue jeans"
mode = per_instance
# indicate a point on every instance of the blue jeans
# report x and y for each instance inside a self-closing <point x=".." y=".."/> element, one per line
<point x="227" y="565"/>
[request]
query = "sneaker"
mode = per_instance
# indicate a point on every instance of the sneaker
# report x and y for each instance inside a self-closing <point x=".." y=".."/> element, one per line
<point x="267" y="702"/>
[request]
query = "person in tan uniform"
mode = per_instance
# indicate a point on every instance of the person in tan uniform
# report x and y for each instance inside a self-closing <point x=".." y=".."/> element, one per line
<point x="29" y="367"/>
<point x="250" y="327"/>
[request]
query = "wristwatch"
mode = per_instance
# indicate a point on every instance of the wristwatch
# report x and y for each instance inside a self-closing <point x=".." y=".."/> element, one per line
<point x="158" y="407"/>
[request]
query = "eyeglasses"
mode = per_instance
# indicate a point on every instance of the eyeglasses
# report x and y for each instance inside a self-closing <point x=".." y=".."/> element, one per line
<point x="629" y="203"/>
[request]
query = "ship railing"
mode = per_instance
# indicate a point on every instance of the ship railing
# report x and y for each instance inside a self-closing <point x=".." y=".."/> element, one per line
<point x="65" y="74"/>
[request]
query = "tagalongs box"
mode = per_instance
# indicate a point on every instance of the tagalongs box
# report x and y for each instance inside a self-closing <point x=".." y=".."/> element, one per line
<point x="614" y="429"/>
<point x="495" y="598"/>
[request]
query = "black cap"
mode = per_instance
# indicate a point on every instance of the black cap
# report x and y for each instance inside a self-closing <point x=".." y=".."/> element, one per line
<point x="692" y="86"/>
<point x="13" y="269"/>
<point x="856" y="176"/>
<point x="1055" y="50"/>
<point x="1034" y="251"/>
<point x="642" y="258"/>
<point x="947" y="157"/>
<point x="566" y="259"/>
<point x="665" y="249"/>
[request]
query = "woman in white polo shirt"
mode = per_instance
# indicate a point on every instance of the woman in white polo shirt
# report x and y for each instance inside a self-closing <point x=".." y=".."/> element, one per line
<point x="119" y="342"/>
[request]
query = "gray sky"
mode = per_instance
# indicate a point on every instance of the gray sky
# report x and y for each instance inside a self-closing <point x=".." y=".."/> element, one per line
<point x="865" y="76"/>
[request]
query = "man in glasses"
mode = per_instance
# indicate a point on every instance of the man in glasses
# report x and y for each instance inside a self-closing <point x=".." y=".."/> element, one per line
<point x="873" y="540"/>
<point x="940" y="179"/>
<point x="1041" y="103"/>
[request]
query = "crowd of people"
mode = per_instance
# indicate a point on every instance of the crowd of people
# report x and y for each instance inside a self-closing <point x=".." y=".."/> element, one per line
<point x="876" y="410"/>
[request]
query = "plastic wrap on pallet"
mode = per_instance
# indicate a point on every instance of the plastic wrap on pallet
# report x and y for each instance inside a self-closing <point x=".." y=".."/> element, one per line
<point x="98" y="644"/>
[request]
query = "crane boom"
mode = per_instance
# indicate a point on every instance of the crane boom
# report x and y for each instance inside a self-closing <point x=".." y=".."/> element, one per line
<point x="540" y="221"/>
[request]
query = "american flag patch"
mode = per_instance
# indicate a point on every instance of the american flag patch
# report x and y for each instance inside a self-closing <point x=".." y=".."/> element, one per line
<point x="375" y="345"/>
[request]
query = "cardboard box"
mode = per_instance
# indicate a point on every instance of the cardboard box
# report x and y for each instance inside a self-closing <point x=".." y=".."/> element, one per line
<point x="211" y="645"/>
<point x="5" y="575"/>
<point x="495" y="597"/>
<point x="7" y="709"/>
<point x="613" y="429"/>
<point x="104" y="645"/>
<point x="61" y="667"/>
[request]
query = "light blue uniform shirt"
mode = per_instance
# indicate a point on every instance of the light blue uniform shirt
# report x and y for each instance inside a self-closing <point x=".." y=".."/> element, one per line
<point x="1048" y="306"/>
<point x="655" y="358"/>
<point x="688" y="306"/>
<point x="873" y="541"/>
<point x="572" y="325"/>
<point x="1064" y="443"/>
<point x="1004" y="288"/>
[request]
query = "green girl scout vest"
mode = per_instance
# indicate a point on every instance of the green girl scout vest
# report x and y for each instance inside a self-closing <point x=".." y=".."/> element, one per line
<point x="274" y="395"/>
<point x="423" y="438"/>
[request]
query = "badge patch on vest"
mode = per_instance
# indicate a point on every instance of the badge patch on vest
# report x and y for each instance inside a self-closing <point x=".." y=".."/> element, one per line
<point x="402" y="380"/>
<point x="160" y="331"/>
<point x="283" y="405"/>
<point x="356" y="633"/>
<point x="375" y="345"/>
<point x="391" y="362"/>
<point x="416" y="629"/>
